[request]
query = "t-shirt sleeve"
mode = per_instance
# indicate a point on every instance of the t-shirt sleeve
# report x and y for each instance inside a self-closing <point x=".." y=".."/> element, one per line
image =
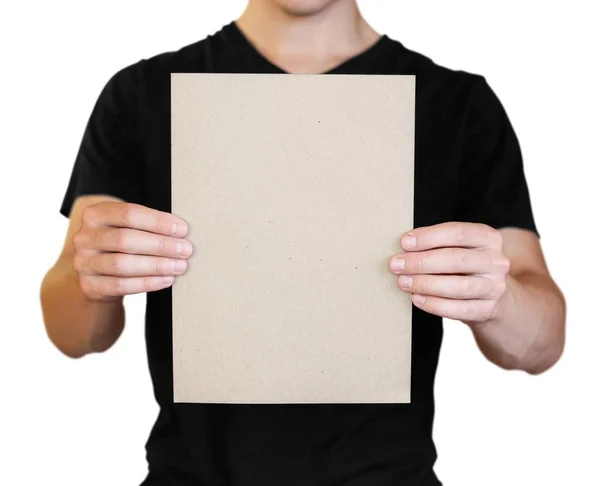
<point x="108" y="158"/>
<point x="492" y="187"/>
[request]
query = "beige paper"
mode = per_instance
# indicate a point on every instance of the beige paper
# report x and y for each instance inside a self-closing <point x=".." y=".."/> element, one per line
<point x="297" y="189"/>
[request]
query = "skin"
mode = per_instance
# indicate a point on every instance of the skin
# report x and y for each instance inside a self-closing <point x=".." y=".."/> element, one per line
<point x="306" y="36"/>
<point x="112" y="249"/>
<point x="495" y="281"/>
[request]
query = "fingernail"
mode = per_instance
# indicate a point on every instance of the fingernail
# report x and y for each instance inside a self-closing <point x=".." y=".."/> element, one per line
<point x="409" y="242"/>
<point x="183" y="248"/>
<point x="178" y="229"/>
<point x="397" y="264"/>
<point x="168" y="280"/>
<point x="418" y="299"/>
<point x="405" y="281"/>
<point x="178" y="265"/>
<point x="188" y="249"/>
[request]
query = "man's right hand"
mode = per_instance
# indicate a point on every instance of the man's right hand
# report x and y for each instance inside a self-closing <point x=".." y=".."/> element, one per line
<point x="123" y="248"/>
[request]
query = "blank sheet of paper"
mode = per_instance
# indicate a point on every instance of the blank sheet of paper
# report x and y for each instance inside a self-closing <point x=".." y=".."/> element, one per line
<point x="296" y="189"/>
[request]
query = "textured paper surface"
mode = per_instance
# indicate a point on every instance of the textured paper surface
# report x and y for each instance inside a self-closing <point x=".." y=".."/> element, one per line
<point x="297" y="189"/>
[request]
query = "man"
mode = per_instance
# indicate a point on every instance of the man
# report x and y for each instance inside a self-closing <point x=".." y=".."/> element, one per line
<point x="473" y="256"/>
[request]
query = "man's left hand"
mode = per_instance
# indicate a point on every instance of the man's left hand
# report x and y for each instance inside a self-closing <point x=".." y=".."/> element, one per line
<point x="454" y="270"/>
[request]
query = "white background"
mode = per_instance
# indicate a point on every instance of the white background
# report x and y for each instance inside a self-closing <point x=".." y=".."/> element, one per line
<point x="85" y="422"/>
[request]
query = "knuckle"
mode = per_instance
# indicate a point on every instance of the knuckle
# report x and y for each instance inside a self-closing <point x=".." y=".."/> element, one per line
<point x="496" y="238"/>
<point x="163" y="245"/>
<point x="491" y="235"/>
<point x="468" y="287"/>
<point x="419" y="263"/>
<point x="497" y="288"/>
<point x="122" y="237"/>
<point x="127" y="214"/>
<point x="115" y="263"/>
<point x="79" y="240"/>
<point x="501" y="287"/>
<point x="86" y="285"/>
<point x="507" y="265"/>
<point x="77" y="263"/>
<point x="496" y="261"/>
<point x="88" y="215"/>
<point x="502" y="263"/>
<point x="489" y="308"/>
<point x="118" y="286"/>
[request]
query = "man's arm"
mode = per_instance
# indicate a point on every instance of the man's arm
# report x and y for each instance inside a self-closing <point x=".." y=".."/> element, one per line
<point x="75" y="325"/>
<point x="112" y="249"/>
<point x="528" y="328"/>
<point x="494" y="281"/>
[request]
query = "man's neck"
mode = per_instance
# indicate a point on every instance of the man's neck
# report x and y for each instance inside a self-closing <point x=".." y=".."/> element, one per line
<point x="310" y="43"/>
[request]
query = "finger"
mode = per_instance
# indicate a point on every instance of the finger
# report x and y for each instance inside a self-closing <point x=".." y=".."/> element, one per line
<point x="123" y="265"/>
<point x="461" y="310"/>
<point x="452" y="287"/>
<point x="124" y="240"/>
<point x="102" y="287"/>
<point x="135" y="216"/>
<point x="443" y="261"/>
<point x="465" y="235"/>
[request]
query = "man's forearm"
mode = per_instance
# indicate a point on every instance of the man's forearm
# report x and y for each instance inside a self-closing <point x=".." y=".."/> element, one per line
<point x="527" y="331"/>
<point x="75" y="325"/>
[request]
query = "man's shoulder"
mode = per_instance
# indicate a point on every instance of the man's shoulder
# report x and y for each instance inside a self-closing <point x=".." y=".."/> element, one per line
<point x="436" y="81"/>
<point x="193" y="57"/>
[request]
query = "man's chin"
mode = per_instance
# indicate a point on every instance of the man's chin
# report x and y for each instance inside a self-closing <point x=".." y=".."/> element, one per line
<point x="304" y="8"/>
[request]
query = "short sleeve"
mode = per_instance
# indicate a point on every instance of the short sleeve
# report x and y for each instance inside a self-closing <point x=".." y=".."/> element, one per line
<point x="492" y="188"/>
<point x="108" y="158"/>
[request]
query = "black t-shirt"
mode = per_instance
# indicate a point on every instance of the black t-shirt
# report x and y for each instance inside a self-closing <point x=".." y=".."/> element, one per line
<point x="468" y="167"/>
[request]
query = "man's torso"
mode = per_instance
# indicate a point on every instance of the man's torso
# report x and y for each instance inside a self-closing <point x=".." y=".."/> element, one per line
<point x="300" y="445"/>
